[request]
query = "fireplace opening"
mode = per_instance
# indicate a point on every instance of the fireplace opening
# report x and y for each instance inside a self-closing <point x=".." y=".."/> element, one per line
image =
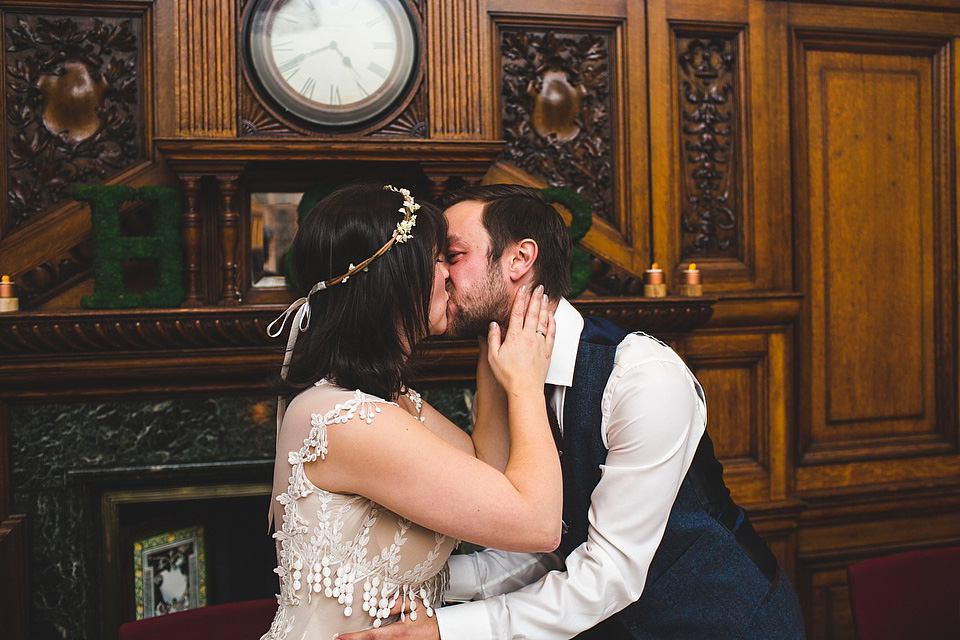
<point x="167" y="549"/>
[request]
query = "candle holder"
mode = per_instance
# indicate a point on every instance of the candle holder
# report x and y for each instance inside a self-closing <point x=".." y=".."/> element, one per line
<point x="8" y="296"/>
<point x="653" y="283"/>
<point x="690" y="284"/>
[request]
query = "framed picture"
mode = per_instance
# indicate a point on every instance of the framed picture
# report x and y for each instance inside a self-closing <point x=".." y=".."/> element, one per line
<point x="169" y="571"/>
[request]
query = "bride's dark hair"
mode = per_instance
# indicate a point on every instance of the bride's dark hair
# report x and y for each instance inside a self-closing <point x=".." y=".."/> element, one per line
<point x="363" y="330"/>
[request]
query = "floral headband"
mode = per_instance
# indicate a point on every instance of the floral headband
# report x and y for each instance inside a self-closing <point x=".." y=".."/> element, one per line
<point x="300" y="306"/>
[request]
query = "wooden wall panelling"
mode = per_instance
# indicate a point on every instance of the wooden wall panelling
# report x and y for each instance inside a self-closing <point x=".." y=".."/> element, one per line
<point x="14" y="605"/>
<point x="837" y="530"/>
<point x="75" y="98"/>
<point x="572" y="89"/>
<point x="206" y="64"/>
<point x="718" y="131"/>
<point x="46" y="250"/>
<point x="743" y="373"/>
<point x="876" y="216"/>
<point x="459" y="76"/>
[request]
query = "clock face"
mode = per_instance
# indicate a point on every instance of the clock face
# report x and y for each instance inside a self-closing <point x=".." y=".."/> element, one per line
<point x="333" y="62"/>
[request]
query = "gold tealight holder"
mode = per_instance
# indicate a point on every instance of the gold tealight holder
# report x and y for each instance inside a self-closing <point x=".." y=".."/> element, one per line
<point x="690" y="284"/>
<point x="653" y="282"/>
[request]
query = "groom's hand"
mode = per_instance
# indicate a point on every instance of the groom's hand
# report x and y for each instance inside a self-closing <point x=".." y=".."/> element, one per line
<point x="423" y="628"/>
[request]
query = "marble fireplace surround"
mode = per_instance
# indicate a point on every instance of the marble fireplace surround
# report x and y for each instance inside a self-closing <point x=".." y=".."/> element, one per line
<point x="130" y="403"/>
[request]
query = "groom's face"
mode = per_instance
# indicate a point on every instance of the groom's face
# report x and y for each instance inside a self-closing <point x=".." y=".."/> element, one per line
<point x="479" y="293"/>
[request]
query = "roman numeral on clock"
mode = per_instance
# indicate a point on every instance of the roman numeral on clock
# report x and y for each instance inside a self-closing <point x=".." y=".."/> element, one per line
<point x="377" y="69"/>
<point x="308" y="88"/>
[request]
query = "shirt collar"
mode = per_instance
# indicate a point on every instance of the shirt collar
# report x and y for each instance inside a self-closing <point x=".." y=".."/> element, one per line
<point x="563" y="359"/>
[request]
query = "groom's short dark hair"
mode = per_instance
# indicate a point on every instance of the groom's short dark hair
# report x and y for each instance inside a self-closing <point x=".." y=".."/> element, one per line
<point x="513" y="212"/>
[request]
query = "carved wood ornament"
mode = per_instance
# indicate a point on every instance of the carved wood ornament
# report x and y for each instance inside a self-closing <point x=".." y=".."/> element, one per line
<point x="72" y="101"/>
<point x="157" y="331"/>
<point x="709" y="136"/>
<point x="556" y="105"/>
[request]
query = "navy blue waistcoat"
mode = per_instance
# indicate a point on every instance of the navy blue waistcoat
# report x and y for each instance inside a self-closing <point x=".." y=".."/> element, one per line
<point x="711" y="572"/>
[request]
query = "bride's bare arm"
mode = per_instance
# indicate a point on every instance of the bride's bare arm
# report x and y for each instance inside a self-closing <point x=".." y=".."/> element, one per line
<point x="491" y="437"/>
<point x="398" y="462"/>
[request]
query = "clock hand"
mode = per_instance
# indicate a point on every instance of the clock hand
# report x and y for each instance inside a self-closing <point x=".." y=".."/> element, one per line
<point x="297" y="59"/>
<point x="347" y="63"/>
<point x="345" y="59"/>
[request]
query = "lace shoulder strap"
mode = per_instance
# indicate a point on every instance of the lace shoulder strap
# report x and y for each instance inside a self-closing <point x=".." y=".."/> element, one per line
<point x="360" y="404"/>
<point x="417" y="401"/>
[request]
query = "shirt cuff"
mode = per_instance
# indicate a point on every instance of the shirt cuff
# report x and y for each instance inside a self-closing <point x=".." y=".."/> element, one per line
<point x="464" y="578"/>
<point x="468" y="621"/>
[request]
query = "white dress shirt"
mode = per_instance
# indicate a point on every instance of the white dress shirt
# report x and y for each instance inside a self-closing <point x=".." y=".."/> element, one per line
<point x="653" y="416"/>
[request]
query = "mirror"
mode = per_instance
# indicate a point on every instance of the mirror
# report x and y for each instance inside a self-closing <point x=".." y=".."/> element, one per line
<point x="273" y="223"/>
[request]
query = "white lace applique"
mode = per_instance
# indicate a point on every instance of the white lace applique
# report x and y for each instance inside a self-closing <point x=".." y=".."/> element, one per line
<point x="417" y="401"/>
<point x="325" y="560"/>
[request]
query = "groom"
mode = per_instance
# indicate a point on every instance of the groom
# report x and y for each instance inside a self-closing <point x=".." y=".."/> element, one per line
<point x="653" y="545"/>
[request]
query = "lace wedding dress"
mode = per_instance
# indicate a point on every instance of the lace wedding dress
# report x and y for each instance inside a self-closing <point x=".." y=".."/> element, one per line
<point x="344" y="561"/>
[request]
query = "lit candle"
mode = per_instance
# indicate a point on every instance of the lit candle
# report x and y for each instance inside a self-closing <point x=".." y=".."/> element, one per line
<point x="691" y="282"/>
<point x="691" y="275"/>
<point x="653" y="284"/>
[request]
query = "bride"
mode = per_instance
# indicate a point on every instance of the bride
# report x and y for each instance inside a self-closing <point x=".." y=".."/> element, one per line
<point x="373" y="487"/>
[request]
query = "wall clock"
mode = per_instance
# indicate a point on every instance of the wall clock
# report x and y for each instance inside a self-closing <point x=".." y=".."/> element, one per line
<point x="335" y="63"/>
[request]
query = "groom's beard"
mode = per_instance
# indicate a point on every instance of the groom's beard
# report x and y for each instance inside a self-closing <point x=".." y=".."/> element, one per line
<point x="488" y="301"/>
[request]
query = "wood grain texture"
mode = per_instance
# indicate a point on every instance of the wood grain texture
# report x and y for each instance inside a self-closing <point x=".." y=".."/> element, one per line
<point x="742" y="374"/>
<point x="872" y="321"/>
<point x="457" y="40"/>
<point x="831" y="357"/>
<point x="206" y="97"/>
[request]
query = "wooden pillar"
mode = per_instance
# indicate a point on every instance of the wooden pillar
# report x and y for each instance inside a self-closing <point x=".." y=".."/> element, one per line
<point x="228" y="229"/>
<point x="191" y="233"/>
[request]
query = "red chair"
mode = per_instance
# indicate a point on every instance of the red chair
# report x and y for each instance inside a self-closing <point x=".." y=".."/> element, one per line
<point x="234" y="620"/>
<point x="915" y="594"/>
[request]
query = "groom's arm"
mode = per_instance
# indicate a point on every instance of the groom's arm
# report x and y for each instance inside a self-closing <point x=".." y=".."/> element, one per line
<point x="655" y="420"/>
<point x="492" y="572"/>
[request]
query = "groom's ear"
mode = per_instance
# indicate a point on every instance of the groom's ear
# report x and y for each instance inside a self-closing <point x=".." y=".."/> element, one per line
<point x="522" y="256"/>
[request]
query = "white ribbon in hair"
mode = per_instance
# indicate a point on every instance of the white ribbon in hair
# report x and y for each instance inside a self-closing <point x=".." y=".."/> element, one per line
<point x="301" y="322"/>
<point x="300" y="309"/>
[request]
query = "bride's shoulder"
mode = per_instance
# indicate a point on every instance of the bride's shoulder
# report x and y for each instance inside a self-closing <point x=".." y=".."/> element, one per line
<point x="328" y="403"/>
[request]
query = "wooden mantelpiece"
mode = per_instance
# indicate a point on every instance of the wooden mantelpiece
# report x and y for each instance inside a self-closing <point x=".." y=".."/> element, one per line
<point x="142" y="351"/>
<point x="439" y="159"/>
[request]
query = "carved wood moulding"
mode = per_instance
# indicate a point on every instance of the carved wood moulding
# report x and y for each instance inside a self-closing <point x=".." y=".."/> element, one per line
<point x="459" y="106"/>
<point x="709" y="103"/>
<point x="73" y="100"/>
<point x="257" y="121"/>
<point x="118" y="331"/>
<point x="175" y="330"/>
<point x="206" y="61"/>
<point x="557" y="105"/>
<point x="55" y="275"/>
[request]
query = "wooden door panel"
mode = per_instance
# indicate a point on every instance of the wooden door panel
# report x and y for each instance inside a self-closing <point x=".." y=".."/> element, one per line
<point x="742" y="373"/>
<point x="873" y="314"/>
<point x="875" y="223"/>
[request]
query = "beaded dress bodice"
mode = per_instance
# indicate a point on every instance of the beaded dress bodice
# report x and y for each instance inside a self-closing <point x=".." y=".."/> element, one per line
<point x="344" y="561"/>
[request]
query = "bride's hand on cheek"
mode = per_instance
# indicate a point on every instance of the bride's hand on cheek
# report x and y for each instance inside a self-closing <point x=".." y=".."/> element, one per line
<point x="520" y="361"/>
